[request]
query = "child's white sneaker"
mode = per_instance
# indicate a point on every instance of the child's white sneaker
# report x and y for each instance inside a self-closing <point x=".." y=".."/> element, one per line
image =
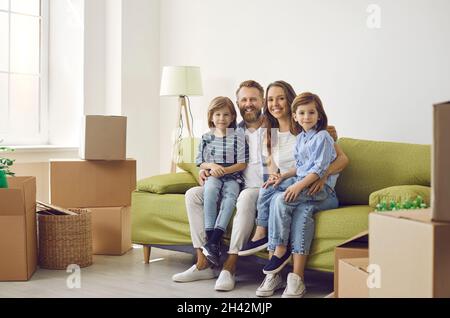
<point x="270" y="284"/>
<point x="295" y="287"/>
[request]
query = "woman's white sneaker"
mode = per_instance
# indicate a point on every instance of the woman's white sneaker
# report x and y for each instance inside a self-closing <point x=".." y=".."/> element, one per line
<point x="270" y="284"/>
<point x="193" y="274"/>
<point x="295" y="288"/>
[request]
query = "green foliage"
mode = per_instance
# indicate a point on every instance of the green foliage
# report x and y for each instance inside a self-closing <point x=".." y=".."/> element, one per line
<point x="417" y="203"/>
<point x="5" y="163"/>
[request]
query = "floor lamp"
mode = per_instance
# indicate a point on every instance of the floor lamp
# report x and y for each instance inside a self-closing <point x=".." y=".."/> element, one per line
<point x="181" y="81"/>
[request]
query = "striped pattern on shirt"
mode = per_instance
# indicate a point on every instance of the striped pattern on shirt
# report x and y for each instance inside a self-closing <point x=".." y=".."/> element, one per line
<point x="225" y="151"/>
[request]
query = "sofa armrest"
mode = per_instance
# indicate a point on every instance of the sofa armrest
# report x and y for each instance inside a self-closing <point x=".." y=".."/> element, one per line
<point x="168" y="183"/>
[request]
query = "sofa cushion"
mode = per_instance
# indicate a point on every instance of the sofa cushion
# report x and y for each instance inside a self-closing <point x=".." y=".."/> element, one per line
<point x="376" y="165"/>
<point x="400" y="194"/>
<point x="187" y="152"/>
<point x="168" y="183"/>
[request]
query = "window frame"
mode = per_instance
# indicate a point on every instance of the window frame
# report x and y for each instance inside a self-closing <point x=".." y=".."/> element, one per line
<point x="42" y="137"/>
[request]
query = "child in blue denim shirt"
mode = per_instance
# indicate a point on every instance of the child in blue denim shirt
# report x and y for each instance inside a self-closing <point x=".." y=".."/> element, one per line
<point x="223" y="152"/>
<point x="314" y="152"/>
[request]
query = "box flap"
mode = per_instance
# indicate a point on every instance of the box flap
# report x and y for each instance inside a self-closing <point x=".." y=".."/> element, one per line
<point x="361" y="238"/>
<point x="359" y="263"/>
<point x="423" y="215"/>
<point x="13" y="199"/>
<point x="440" y="200"/>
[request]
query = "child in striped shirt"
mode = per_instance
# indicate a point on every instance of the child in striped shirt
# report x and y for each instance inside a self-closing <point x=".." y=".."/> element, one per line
<point x="223" y="153"/>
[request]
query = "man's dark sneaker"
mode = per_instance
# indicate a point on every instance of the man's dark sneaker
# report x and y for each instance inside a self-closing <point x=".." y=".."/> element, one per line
<point x="212" y="253"/>
<point x="276" y="264"/>
<point x="253" y="247"/>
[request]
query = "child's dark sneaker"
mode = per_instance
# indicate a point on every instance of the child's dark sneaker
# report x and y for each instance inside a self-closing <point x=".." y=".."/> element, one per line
<point x="212" y="253"/>
<point x="253" y="247"/>
<point x="276" y="264"/>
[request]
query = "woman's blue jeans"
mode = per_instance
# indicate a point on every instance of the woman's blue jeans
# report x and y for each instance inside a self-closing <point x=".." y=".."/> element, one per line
<point x="293" y="222"/>
<point x="219" y="201"/>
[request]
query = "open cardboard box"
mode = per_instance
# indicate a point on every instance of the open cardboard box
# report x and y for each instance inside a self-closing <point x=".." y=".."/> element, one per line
<point x="355" y="247"/>
<point x="353" y="277"/>
<point x="412" y="252"/>
<point x="18" y="234"/>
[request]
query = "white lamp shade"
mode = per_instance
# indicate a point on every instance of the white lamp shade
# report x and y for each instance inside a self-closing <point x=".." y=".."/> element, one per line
<point x="181" y="80"/>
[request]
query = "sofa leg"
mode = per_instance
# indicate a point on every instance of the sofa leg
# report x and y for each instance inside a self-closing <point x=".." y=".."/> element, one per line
<point x="147" y="250"/>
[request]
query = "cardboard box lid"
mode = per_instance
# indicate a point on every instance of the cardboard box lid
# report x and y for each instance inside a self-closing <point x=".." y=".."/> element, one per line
<point x="358" y="240"/>
<point x="422" y="215"/>
<point x="16" y="199"/>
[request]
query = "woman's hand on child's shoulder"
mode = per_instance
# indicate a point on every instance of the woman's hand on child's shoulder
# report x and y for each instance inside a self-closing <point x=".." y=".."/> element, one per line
<point x="332" y="131"/>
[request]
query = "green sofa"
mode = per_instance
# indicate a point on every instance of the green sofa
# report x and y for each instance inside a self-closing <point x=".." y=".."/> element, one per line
<point x="159" y="216"/>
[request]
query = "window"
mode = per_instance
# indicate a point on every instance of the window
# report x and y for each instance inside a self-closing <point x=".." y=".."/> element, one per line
<point x="23" y="71"/>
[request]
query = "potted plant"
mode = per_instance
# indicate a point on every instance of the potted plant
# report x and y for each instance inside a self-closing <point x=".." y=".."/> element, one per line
<point x="5" y="165"/>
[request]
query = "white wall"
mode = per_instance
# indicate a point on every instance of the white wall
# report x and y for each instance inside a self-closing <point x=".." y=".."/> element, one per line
<point x="94" y="57"/>
<point x="66" y="90"/>
<point x="375" y="83"/>
<point x="140" y="82"/>
<point x="121" y="72"/>
<point x="113" y="57"/>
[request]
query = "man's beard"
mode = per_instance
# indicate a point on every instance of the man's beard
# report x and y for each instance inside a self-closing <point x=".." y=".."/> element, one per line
<point x="250" y="117"/>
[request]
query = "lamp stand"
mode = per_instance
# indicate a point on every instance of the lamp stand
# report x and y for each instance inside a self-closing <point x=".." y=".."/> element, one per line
<point x="182" y="108"/>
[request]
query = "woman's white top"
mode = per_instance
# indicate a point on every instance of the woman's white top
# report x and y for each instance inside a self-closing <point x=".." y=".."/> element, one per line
<point x="282" y="150"/>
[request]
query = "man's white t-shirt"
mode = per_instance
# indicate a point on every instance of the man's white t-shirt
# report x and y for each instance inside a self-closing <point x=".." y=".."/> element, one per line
<point x="253" y="174"/>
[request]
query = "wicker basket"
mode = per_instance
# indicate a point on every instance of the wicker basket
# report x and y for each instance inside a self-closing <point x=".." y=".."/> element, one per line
<point x="65" y="240"/>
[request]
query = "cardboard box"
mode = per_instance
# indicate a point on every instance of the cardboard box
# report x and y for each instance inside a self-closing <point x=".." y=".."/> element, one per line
<point x="440" y="200"/>
<point x="103" y="138"/>
<point x="412" y="252"/>
<point x="356" y="247"/>
<point x="111" y="230"/>
<point x="18" y="234"/>
<point x="79" y="183"/>
<point x="353" y="277"/>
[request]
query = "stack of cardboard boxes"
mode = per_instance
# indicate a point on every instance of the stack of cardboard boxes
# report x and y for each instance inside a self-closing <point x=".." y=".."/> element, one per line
<point x="412" y="248"/>
<point x="409" y="251"/>
<point x="102" y="181"/>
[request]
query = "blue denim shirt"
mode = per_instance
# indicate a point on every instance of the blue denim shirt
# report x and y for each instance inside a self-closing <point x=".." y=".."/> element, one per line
<point x="314" y="152"/>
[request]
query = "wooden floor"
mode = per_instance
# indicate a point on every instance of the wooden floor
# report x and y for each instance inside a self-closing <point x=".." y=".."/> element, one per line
<point x="128" y="276"/>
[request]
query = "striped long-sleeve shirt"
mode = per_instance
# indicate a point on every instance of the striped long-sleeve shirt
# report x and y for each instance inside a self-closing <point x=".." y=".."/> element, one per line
<point x="225" y="151"/>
